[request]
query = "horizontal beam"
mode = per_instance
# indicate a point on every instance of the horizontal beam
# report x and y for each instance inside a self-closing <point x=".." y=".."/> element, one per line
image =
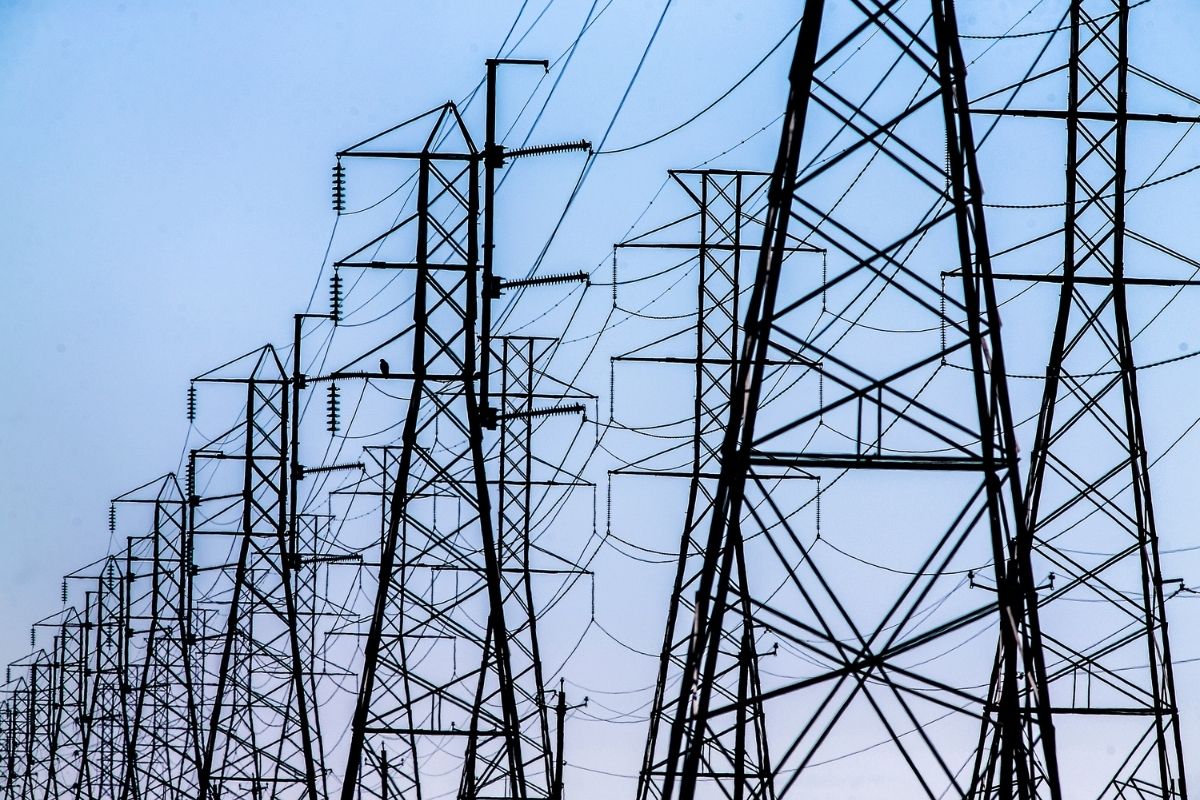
<point x="668" y="473"/>
<point x="726" y="172"/>
<point x="434" y="731"/>
<point x="770" y="362"/>
<point x="1104" y="712"/>
<point x="264" y="381"/>
<point x="481" y="569"/>
<point x="729" y="247"/>
<point x="407" y="376"/>
<point x="404" y="265"/>
<point x="1098" y="116"/>
<point x="1087" y="280"/>
<point x="410" y="154"/>
<point x="866" y="461"/>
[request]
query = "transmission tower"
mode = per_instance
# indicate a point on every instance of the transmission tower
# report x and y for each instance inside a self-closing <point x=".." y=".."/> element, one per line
<point x="68" y="710"/>
<point x="16" y="744"/>
<point x="9" y="739"/>
<point x="102" y="747"/>
<point x="163" y="751"/>
<point x="883" y="177"/>
<point x="32" y="726"/>
<point x="259" y="734"/>
<point x="451" y="680"/>
<point x="1088" y="496"/>
<point x="523" y="405"/>
<point x="869" y="597"/>
<point x="728" y="232"/>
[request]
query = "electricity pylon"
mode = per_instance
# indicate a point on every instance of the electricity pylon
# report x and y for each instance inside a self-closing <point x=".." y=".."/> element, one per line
<point x="163" y="750"/>
<point x="451" y="685"/>
<point x="105" y="730"/>
<point x="868" y="686"/>
<point x="729" y="236"/>
<point x="1088" y="496"/>
<point x="259" y="733"/>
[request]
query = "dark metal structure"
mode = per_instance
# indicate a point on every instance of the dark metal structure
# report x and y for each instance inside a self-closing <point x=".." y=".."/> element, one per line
<point x="729" y="239"/>
<point x="878" y="404"/>
<point x="70" y="667"/>
<point x="162" y="754"/>
<point x="940" y="626"/>
<point x="29" y="726"/>
<point x="258" y="737"/>
<point x="101" y="758"/>
<point x="1088" y="501"/>
<point x="451" y="682"/>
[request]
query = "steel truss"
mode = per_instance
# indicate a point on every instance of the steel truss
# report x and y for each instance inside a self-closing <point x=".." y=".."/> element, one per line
<point x="729" y="232"/>
<point x="163" y="749"/>
<point x="884" y="178"/>
<point x="949" y="631"/>
<point x="452" y="685"/>
<point x="258" y="739"/>
<point x="71" y="665"/>
<point x="1088" y="497"/>
<point x="76" y="740"/>
<point x="12" y="715"/>
<point x="101" y="756"/>
<point x="17" y="745"/>
<point x="30" y="726"/>
<point x="524" y="485"/>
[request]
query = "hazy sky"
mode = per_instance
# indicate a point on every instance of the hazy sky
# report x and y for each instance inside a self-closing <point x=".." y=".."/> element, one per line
<point x="170" y="209"/>
<point x="168" y="167"/>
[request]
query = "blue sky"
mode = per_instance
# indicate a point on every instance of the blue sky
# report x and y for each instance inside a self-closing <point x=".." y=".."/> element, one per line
<point x="170" y="207"/>
<point x="174" y="212"/>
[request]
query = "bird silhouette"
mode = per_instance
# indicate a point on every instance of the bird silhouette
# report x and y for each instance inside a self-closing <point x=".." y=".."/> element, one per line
<point x="383" y="367"/>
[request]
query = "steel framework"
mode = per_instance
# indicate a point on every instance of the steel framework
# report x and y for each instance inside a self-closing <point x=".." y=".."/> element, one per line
<point x="457" y="593"/>
<point x="1088" y="499"/>
<point x="882" y="405"/>
<point x="162" y="753"/>
<point x="70" y="661"/>
<point x="726" y="202"/>
<point x="259" y="734"/>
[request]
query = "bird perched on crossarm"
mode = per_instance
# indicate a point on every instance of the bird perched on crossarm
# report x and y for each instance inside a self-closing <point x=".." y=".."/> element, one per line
<point x="383" y="367"/>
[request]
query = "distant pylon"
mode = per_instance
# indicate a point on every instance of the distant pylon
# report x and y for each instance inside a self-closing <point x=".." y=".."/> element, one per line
<point x="259" y="735"/>
<point x="729" y="237"/>
<point x="102" y="749"/>
<point x="451" y="688"/>
<point x="163" y="750"/>
<point x="403" y="698"/>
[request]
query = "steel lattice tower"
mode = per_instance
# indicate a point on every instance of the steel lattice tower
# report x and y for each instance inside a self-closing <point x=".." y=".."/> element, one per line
<point x="102" y="749"/>
<point x="404" y="697"/>
<point x="883" y="177"/>
<point x="18" y="739"/>
<point x="163" y="752"/>
<point x="518" y="417"/>
<point x="398" y="701"/>
<point x="943" y="629"/>
<point x="9" y="738"/>
<point x="1088" y="495"/>
<point x="729" y="234"/>
<point x="452" y="673"/>
<point x="259" y="735"/>
<point x="70" y="667"/>
<point x="36" y="725"/>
